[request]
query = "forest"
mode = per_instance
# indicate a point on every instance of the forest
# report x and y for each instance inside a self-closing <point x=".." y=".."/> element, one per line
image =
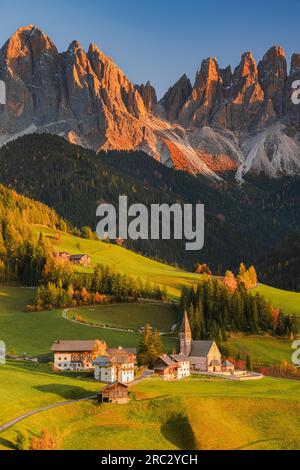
<point x="241" y="223"/>
<point x="215" y="310"/>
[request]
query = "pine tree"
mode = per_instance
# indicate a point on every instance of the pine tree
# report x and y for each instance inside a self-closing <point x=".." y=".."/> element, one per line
<point x="249" y="363"/>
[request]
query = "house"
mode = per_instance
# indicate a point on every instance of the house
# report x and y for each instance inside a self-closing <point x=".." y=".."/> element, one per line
<point x="227" y="366"/>
<point x="77" y="355"/>
<point x="183" y="365"/>
<point x="114" y="393"/>
<point x="116" y="365"/>
<point x="81" y="260"/>
<point x="63" y="255"/>
<point x="204" y="356"/>
<point x="166" y="368"/>
<point x="174" y="367"/>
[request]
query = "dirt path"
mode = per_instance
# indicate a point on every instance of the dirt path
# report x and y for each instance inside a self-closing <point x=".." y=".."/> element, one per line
<point x="77" y="322"/>
<point x="72" y="320"/>
<point x="6" y="426"/>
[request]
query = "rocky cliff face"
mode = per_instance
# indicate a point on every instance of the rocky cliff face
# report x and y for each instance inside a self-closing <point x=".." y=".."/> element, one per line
<point x="241" y="121"/>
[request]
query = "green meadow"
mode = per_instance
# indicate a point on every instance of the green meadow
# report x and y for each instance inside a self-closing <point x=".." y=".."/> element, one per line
<point x="123" y="261"/>
<point x="197" y="413"/>
<point x="27" y="386"/>
<point x="32" y="334"/>
<point x="130" y="315"/>
<point x="288" y="302"/>
<point x="262" y="349"/>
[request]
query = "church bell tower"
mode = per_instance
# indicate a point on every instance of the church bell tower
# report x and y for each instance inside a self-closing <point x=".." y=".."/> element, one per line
<point x="185" y="336"/>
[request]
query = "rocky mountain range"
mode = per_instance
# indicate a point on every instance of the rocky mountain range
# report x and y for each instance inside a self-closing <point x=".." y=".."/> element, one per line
<point x="239" y="121"/>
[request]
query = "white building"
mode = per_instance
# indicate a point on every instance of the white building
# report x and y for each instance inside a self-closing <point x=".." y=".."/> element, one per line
<point x="175" y="367"/>
<point x="76" y="355"/>
<point x="118" y="365"/>
<point x="183" y="365"/>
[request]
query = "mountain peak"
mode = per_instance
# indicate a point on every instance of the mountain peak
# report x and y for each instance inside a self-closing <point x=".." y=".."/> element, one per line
<point x="203" y="129"/>
<point x="176" y="97"/>
<point x="274" y="51"/>
<point x="272" y="76"/>
<point x="148" y="93"/>
<point x="247" y="67"/>
<point x="74" y="46"/>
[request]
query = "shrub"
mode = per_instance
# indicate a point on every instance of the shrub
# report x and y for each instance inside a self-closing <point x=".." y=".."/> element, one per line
<point x="22" y="442"/>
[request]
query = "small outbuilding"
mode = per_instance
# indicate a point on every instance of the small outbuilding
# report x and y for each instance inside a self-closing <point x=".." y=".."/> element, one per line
<point x="82" y="260"/>
<point x="116" y="392"/>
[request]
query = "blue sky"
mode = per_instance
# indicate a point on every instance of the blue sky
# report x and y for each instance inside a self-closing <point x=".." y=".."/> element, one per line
<point x="159" y="40"/>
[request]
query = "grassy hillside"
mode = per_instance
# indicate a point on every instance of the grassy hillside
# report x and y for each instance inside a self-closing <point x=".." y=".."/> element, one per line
<point x="262" y="349"/>
<point x="241" y="224"/>
<point x="34" y="333"/>
<point x="123" y="261"/>
<point x="288" y="302"/>
<point x="194" y="414"/>
<point x="130" y="316"/>
<point x="126" y="261"/>
<point x="28" y="386"/>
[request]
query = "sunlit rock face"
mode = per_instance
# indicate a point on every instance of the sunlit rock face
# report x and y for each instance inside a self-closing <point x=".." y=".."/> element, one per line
<point x="241" y="121"/>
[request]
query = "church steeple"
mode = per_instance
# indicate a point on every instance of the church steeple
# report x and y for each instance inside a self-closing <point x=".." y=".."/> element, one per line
<point x="185" y="336"/>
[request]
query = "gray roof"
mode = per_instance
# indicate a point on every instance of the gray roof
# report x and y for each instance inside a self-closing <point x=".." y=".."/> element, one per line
<point x="201" y="348"/>
<point x="167" y="360"/>
<point x="103" y="360"/>
<point x="112" y="385"/>
<point x="179" y="357"/>
<point x="121" y="351"/>
<point x="74" y="346"/>
<point x="75" y="257"/>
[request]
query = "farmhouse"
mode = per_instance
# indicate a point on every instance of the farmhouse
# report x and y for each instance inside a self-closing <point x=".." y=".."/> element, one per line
<point x="175" y="367"/>
<point x="116" y="365"/>
<point x="81" y="260"/>
<point x="204" y="356"/>
<point x="77" y="355"/>
<point x="114" y="393"/>
<point x="63" y="255"/>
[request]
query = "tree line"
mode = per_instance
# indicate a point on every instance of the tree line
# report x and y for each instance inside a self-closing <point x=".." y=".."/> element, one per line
<point x="63" y="287"/>
<point x="215" y="310"/>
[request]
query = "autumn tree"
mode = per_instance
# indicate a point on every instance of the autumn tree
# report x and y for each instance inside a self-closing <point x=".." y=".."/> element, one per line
<point x="150" y="347"/>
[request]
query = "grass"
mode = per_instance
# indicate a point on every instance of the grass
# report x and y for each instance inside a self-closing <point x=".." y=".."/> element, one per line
<point x="262" y="349"/>
<point x="123" y="261"/>
<point x="33" y="334"/>
<point x="288" y="302"/>
<point x="131" y="316"/>
<point x="136" y="265"/>
<point x="195" y="414"/>
<point x="28" y="386"/>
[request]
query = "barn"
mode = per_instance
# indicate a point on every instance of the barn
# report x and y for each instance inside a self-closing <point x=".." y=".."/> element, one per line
<point x="114" y="393"/>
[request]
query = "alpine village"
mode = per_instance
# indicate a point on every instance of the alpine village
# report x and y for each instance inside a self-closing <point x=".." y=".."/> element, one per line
<point x="114" y="343"/>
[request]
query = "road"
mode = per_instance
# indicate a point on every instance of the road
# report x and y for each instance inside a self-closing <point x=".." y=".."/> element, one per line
<point x="6" y="426"/>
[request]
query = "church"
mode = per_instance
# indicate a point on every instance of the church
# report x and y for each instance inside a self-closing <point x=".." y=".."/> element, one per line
<point x="204" y="356"/>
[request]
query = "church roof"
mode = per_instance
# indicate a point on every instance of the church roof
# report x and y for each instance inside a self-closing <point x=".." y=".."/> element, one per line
<point x="179" y="357"/>
<point x="185" y="325"/>
<point x="201" y="348"/>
